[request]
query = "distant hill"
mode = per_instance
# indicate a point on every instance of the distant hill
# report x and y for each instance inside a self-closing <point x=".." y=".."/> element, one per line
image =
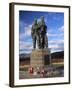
<point x="56" y="55"/>
<point x="24" y="55"/>
<point x="53" y="55"/>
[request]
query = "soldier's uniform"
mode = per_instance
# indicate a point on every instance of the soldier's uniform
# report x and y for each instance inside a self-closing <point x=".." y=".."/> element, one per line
<point x="43" y="36"/>
<point x="35" y="35"/>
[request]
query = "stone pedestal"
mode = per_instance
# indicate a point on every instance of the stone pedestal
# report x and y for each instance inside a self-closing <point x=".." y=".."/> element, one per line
<point x="39" y="57"/>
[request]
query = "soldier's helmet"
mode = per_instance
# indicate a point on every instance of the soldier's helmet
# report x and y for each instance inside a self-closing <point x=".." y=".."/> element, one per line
<point x="35" y="21"/>
<point x="42" y="18"/>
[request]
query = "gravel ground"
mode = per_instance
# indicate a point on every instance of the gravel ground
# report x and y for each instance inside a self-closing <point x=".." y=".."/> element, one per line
<point x="51" y="71"/>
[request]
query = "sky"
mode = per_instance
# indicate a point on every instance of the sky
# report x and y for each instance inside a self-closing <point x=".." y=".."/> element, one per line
<point x="55" y="30"/>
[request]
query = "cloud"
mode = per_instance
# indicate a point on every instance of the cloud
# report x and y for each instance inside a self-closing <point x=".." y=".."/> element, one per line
<point x="59" y="33"/>
<point x="56" y="48"/>
<point x="61" y="28"/>
<point x="22" y="24"/>
<point x="25" y="47"/>
<point x="27" y="30"/>
<point x="56" y="45"/>
<point x="54" y="35"/>
<point x="26" y="33"/>
<point x="56" y="41"/>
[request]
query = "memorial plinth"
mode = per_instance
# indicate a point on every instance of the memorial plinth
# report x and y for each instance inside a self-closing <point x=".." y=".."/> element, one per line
<point x="39" y="57"/>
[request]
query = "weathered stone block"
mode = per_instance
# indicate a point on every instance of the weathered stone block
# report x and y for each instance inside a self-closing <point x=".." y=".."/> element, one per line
<point x="38" y="57"/>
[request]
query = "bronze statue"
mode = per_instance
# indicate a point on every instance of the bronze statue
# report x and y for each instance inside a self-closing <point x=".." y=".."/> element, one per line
<point x="43" y="36"/>
<point x="38" y="33"/>
<point x="35" y="33"/>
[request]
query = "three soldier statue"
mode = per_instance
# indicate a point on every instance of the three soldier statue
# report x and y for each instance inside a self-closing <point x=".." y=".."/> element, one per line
<point x="38" y="33"/>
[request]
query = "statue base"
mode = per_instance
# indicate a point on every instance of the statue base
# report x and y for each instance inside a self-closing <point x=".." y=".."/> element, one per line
<point x="40" y="57"/>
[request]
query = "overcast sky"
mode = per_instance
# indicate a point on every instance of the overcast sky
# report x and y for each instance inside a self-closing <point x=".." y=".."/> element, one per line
<point x="55" y="30"/>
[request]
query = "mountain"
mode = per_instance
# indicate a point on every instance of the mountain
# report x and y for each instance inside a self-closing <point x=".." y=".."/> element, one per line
<point x="55" y="55"/>
<point x="59" y="55"/>
<point x="25" y="55"/>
